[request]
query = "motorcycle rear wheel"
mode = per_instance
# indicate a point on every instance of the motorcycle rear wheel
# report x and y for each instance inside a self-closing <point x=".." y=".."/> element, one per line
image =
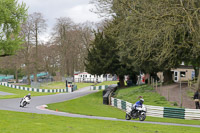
<point x="128" y="117"/>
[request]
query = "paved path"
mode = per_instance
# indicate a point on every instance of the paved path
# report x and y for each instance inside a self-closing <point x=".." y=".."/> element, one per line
<point x="38" y="106"/>
<point x="13" y="104"/>
<point x="5" y="93"/>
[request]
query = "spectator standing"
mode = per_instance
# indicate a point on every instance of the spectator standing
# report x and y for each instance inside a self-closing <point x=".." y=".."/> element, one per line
<point x="196" y="98"/>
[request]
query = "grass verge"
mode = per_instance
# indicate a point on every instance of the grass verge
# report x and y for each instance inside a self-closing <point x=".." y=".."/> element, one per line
<point x="19" y="93"/>
<point x="59" y="85"/>
<point x="17" y="122"/>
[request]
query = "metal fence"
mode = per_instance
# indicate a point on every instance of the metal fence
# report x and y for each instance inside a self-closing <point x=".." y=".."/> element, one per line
<point x="33" y="89"/>
<point x="103" y="87"/>
<point x="157" y="111"/>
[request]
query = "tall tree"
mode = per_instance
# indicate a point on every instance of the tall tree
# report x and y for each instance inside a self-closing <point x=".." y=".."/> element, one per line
<point x="39" y="25"/>
<point x="103" y="55"/>
<point x="157" y="35"/>
<point x="27" y="51"/>
<point x="72" y="40"/>
<point x="12" y="15"/>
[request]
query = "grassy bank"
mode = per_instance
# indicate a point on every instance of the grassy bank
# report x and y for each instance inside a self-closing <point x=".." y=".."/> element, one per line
<point x="150" y="96"/>
<point x="16" y="122"/>
<point x="93" y="105"/>
<point x="19" y="93"/>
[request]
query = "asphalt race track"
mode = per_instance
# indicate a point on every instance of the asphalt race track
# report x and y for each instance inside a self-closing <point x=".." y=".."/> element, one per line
<point x="38" y="103"/>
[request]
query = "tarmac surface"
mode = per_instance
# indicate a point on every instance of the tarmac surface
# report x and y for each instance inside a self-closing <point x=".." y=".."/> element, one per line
<point x="5" y="93"/>
<point x="38" y="105"/>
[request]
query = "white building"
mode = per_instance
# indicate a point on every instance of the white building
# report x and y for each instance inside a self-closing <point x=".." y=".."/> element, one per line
<point x="86" y="77"/>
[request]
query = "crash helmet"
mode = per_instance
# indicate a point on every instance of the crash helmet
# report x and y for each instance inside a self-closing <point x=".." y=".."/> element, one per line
<point x="141" y="100"/>
<point x="29" y="94"/>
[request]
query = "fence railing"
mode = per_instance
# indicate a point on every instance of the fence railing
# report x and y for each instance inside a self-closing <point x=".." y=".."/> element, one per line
<point x="157" y="111"/>
<point x="34" y="89"/>
<point x="103" y="87"/>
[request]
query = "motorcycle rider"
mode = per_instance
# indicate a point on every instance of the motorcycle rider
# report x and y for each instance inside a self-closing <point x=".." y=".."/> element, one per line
<point x="29" y="97"/>
<point x="137" y="104"/>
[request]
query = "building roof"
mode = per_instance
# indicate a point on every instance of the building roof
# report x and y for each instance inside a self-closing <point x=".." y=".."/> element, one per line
<point x="77" y="73"/>
<point x="185" y="67"/>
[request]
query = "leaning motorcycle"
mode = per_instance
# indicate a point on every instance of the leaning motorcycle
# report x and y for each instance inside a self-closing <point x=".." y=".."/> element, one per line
<point x="24" y="102"/>
<point x="139" y="112"/>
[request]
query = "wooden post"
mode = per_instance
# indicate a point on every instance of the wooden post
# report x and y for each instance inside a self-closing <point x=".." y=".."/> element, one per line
<point x="149" y="82"/>
<point x="168" y="94"/>
<point x="156" y="85"/>
<point x="160" y="84"/>
<point x="152" y="82"/>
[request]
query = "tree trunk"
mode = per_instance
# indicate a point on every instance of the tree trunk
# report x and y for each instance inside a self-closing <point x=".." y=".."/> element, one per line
<point x="36" y="54"/>
<point x="167" y="76"/>
<point x="35" y="76"/>
<point x="133" y="78"/>
<point x="149" y="79"/>
<point x="28" y="78"/>
<point x="198" y="81"/>
<point x="16" y="75"/>
<point x="121" y="81"/>
<point x="196" y="68"/>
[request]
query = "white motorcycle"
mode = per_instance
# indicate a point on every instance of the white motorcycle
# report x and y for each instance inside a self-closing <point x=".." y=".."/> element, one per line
<point x="24" y="101"/>
<point x="139" y="112"/>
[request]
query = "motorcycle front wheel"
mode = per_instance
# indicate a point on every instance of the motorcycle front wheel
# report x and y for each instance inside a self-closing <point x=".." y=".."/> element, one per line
<point x="128" y="117"/>
<point x="142" y="117"/>
<point x="24" y="103"/>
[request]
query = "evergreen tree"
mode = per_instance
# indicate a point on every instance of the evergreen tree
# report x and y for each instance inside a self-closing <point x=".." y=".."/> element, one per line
<point x="103" y="57"/>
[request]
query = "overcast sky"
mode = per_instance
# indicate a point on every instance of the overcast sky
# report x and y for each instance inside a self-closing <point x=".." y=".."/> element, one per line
<point x="77" y="10"/>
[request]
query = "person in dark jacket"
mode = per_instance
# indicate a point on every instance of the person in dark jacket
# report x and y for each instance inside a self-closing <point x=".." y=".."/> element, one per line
<point x="196" y="98"/>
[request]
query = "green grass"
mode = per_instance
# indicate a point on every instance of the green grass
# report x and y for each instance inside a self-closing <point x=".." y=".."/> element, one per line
<point x="82" y="85"/>
<point x="59" y="85"/>
<point x="17" y="122"/>
<point x="93" y="105"/>
<point x="150" y="96"/>
<point x="88" y="105"/>
<point x="190" y="93"/>
<point x="19" y="93"/>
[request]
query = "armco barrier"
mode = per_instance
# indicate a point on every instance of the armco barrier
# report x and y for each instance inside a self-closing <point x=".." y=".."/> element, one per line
<point x="33" y="89"/>
<point x="103" y="87"/>
<point x="174" y="113"/>
<point x="157" y="111"/>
